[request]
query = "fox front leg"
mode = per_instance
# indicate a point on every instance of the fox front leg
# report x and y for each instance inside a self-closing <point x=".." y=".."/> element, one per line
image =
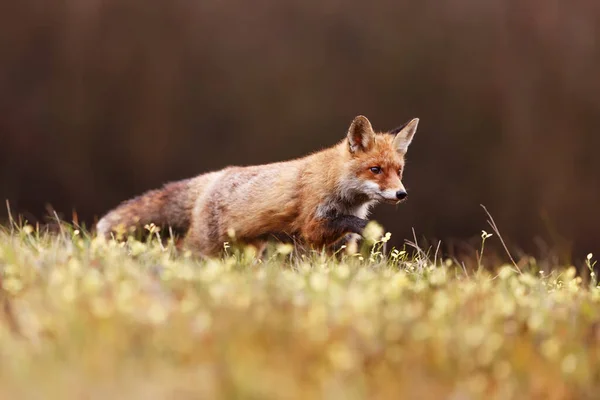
<point x="344" y="224"/>
<point x="325" y="232"/>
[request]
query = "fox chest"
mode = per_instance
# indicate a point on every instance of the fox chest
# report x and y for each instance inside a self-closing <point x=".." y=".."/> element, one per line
<point x="336" y="209"/>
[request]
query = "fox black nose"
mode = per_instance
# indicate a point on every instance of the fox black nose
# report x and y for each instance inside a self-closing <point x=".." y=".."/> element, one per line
<point x="401" y="194"/>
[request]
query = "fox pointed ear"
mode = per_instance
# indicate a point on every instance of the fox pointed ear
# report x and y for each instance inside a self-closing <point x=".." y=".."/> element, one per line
<point x="404" y="135"/>
<point x="360" y="134"/>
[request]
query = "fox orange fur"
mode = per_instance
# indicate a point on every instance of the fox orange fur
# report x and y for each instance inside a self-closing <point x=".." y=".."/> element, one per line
<point x="315" y="200"/>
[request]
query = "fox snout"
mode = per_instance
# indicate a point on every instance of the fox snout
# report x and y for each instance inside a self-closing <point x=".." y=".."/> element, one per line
<point x="393" y="195"/>
<point x="401" y="194"/>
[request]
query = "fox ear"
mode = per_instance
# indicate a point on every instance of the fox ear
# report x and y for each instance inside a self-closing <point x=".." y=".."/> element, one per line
<point x="360" y="134"/>
<point x="404" y="135"/>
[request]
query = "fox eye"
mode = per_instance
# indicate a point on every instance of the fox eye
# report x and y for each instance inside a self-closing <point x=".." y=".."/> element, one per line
<point x="376" y="170"/>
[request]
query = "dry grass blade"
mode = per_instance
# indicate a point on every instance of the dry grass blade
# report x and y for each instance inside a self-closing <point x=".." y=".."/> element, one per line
<point x="492" y="224"/>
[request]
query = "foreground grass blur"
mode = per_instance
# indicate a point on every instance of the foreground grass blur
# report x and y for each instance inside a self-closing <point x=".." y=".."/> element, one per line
<point x="84" y="318"/>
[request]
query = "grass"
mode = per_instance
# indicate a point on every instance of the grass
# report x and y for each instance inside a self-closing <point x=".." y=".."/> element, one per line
<point x="84" y="318"/>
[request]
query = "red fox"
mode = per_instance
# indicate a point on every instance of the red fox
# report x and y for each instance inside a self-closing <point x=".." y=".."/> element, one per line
<point x="316" y="200"/>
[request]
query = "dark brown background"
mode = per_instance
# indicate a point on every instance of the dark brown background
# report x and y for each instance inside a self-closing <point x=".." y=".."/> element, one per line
<point x="101" y="100"/>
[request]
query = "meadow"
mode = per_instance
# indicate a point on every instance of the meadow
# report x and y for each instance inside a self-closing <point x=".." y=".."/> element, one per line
<point x="86" y="318"/>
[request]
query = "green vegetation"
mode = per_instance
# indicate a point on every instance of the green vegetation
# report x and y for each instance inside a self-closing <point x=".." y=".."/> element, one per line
<point x="85" y="318"/>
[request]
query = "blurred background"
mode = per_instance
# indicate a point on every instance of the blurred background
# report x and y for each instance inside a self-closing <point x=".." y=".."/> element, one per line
<point x="102" y="100"/>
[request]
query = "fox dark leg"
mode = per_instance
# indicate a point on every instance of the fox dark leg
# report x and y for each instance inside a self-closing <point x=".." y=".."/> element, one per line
<point x="346" y="224"/>
<point x="326" y="232"/>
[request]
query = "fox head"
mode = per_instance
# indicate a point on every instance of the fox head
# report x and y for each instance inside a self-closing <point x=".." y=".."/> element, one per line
<point x="376" y="161"/>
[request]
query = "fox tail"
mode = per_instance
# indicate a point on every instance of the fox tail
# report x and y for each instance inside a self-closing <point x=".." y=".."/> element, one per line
<point x="169" y="207"/>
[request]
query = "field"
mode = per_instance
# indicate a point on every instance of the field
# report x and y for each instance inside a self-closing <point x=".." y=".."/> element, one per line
<point x="84" y="318"/>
